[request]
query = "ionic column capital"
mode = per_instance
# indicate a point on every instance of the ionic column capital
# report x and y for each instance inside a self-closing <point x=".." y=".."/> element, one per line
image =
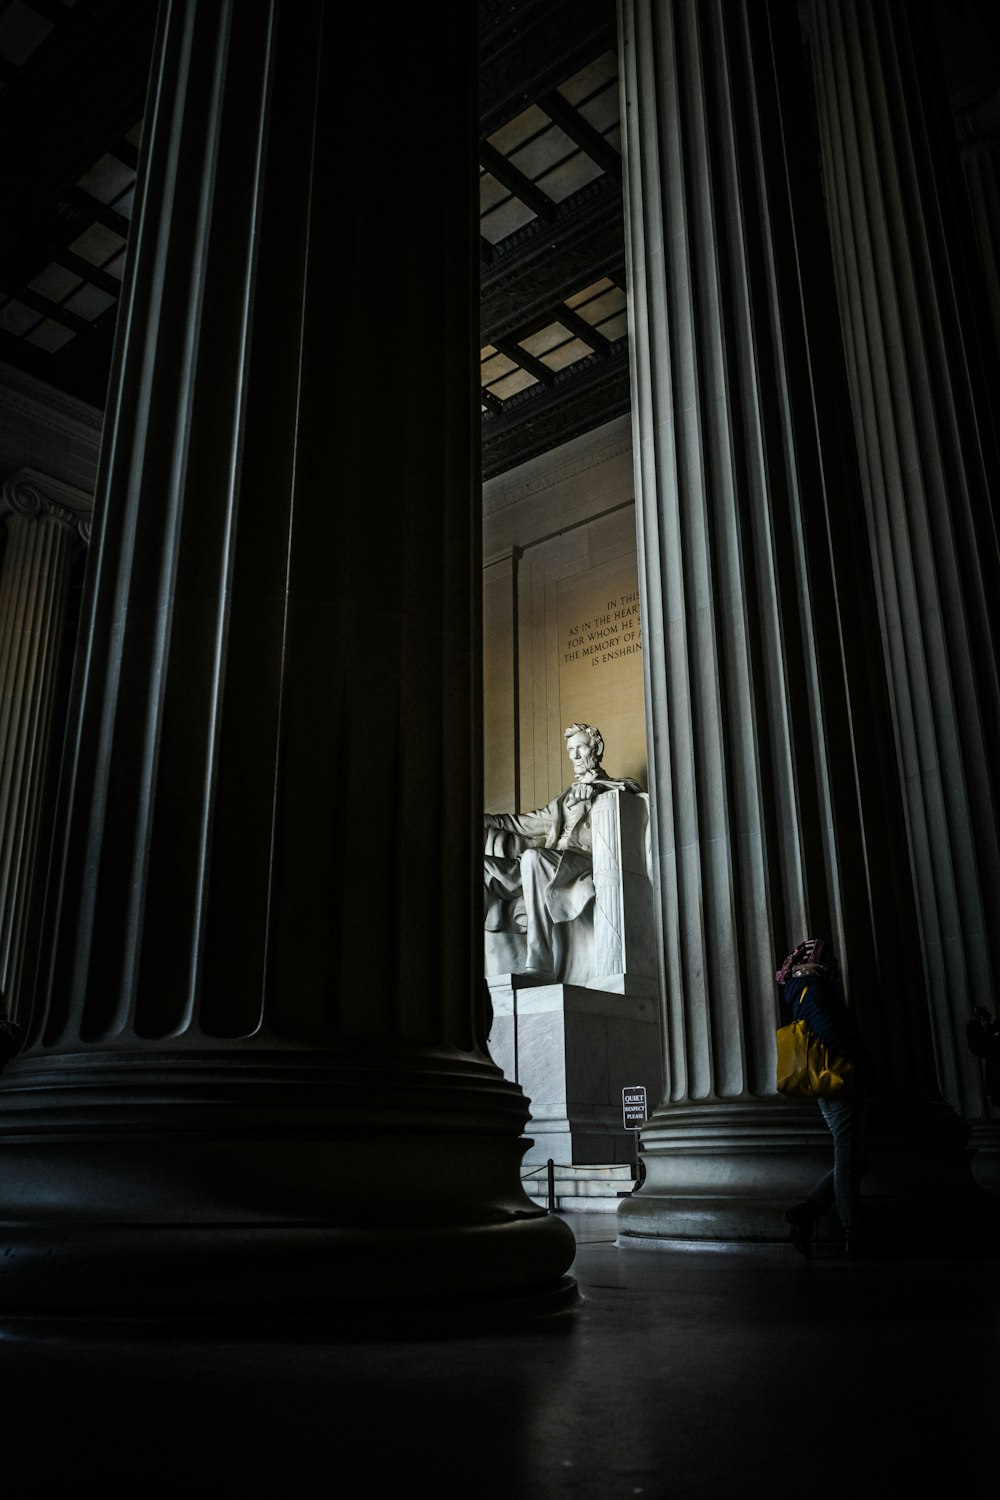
<point x="30" y="493"/>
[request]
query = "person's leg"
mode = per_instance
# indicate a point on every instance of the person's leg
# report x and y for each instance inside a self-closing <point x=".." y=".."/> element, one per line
<point x="823" y="1194"/>
<point x="802" y="1217"/>
<point x="846" y="1121"/>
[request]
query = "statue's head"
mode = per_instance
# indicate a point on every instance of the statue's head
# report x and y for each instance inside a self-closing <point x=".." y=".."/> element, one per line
<point x="584" y="746"/>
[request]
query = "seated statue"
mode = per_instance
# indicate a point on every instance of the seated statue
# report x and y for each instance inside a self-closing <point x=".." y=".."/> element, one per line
<point x="539" y="866"/>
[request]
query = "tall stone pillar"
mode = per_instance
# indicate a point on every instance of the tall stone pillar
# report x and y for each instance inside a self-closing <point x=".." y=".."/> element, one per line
<point x="977" y="127"/>
<point x="45" y="521"/>
<point x="776" y="810"/>
<point x="256" y="1077"/>
<point x="927" y="440"/>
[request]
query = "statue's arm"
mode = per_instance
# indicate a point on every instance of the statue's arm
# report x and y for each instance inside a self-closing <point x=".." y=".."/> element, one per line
<point x="626" y="784"/>
<point x="509" y="833"/>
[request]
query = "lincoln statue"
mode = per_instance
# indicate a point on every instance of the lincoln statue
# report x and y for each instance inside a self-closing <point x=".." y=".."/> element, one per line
<point x="538" y="867"/>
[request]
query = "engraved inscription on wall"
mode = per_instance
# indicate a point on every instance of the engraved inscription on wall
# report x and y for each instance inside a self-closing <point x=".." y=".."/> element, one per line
<point x="599" y="646"/>
<point x="611" y="633"/>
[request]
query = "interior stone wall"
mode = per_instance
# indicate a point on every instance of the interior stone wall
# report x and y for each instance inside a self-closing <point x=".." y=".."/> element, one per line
<point x="561" y="617"/>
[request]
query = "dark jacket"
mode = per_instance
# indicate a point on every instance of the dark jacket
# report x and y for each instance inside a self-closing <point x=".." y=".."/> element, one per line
<point x="824" y="1012"/>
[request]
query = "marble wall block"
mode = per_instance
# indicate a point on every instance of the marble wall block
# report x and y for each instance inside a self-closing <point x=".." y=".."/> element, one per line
<point x="573" y="1050"/>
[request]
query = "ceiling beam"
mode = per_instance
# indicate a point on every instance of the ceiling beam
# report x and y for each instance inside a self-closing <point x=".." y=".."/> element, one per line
<point x="539" y="419"/>
<point x="573" y="124"/>
<point x="583" y="330"/>
<point x="597" y="204"/>
<point x="43" y="306"/>
<point x="515" y="182"/>
<point x="529" y="46"/>
<point x="81" y="267"/>
<point x="573" y="254"/>
<point x="109" y="217"/>
<point x="527" y="361"/>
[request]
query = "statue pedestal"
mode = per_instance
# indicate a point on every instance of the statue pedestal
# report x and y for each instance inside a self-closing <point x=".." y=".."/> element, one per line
<point x="573" y="1049"/>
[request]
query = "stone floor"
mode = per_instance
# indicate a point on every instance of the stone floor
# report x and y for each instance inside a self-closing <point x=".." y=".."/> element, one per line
<point x="708" y="1374"/>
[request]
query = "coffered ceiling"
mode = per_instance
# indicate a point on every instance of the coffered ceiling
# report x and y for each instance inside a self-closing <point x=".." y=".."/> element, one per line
<point x="554" y="348"/>
<point x="554" y="359"/>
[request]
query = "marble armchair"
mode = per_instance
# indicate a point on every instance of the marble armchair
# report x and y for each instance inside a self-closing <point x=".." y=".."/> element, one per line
<point x="611" y="945"/>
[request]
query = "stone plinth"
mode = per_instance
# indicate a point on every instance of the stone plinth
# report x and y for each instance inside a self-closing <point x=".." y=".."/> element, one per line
<point x="573" y="1050"/>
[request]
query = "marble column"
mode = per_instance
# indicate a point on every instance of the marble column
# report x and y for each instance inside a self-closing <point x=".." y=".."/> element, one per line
<point x="45" y="523"/>
<point x="776" y="808"/>
<point x="977" y="128"/>
<point x="913" y="315"/>
<point x="256" y="1079"/>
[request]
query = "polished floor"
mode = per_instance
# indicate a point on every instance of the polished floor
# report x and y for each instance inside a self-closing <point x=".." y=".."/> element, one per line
<point x="708" y="1374"/>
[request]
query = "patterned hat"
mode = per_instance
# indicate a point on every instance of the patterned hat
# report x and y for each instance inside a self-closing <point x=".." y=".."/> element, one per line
<point x="810" y="952"/>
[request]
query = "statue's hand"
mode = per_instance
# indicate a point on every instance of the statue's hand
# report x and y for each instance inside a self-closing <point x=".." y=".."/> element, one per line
<point x="582" y="791"/>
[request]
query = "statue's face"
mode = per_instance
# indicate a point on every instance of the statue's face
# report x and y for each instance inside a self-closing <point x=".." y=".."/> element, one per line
<point x="581" y="753"/>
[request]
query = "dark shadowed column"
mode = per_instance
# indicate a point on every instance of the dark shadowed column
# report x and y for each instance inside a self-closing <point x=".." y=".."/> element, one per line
<point x="776" y="809"/>
<point x="255" y="1077"/>
<point x="977" y="128"/>
<point x="917" y="333"/>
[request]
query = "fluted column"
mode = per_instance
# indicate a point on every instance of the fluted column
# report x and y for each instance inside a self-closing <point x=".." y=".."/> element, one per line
<point x="45" y="522"/>
<point x="977" y="127"/>
<point x="776" y="812"/>
<point x="257" y="1079"/>
<point x="926" y="435"/>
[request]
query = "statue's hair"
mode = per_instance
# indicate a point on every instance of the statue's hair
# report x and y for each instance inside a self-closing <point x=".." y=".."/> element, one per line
<point x="594" y="736"/>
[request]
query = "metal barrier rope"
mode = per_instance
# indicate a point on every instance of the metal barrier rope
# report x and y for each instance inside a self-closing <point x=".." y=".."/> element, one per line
<point x="550" y="1170"/>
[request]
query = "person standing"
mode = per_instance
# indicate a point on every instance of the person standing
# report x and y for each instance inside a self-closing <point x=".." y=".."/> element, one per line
<point x="983" y="1036"/>
<point x="11" y="1035"/>
<point x="811" y="991"/>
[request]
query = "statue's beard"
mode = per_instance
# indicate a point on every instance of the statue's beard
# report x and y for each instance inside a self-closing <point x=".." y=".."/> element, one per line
<point x="590" y="771"/>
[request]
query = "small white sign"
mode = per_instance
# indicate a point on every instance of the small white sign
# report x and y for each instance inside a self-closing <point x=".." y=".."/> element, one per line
<point x="634" y="1106"/>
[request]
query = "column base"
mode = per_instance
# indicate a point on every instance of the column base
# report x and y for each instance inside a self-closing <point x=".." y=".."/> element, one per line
<point x="264" y="1191"/>
<point x="720" y="1172"/>
<point x="320" y="1280"/>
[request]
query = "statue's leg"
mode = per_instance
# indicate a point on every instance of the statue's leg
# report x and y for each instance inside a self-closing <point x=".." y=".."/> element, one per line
<point x="538" y="869"/>
<point x="501" y="886"/>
